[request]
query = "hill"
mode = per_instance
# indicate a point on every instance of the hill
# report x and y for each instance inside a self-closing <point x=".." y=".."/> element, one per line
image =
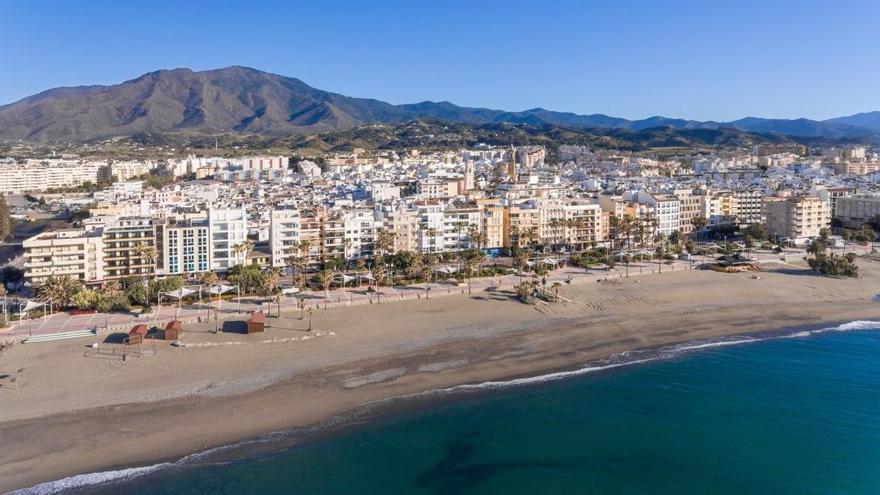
<point x="249" y="101"/>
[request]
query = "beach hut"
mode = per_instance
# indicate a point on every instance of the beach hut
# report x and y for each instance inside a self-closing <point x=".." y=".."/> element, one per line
<point x="257" y="322"/>
<point x="137" y="334"/>
<point x="173" y="330"/>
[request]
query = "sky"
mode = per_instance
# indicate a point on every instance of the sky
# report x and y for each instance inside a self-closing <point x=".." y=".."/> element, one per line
<point x="704" y="60"/>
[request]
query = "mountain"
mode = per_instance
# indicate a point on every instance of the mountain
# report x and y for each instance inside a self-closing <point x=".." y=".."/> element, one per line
<point x="244" y="100"/>
<point x="868" y="120"/>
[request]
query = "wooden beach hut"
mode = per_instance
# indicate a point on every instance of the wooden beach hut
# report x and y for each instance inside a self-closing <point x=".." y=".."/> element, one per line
<point x="137" y="334"/>
<point x="257" y="322"/>
<point x="173" y="330"/>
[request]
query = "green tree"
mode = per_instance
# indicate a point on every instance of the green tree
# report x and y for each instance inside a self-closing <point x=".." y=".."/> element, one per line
<point x="59" y="290"/>
<point x="473" y="260"/>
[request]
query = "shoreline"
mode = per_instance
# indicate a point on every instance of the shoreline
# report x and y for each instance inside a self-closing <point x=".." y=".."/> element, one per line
<point x="336" y="392"/>
<point x="389" y="408"/>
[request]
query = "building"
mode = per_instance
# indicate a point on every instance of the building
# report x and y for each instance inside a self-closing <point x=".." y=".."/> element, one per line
<point x="854" y="211"/>
<point x="122" y="241"/>
<point x="796" y="217"/>
<point x="748" y="207"/>
<point x="856" y="168"/>
<point x="43" y="175"/>
<point x="77" y="253"/>
<point x="227" y="228"/>
<point x="284" y="234"/>
<point x="185" y="246"/>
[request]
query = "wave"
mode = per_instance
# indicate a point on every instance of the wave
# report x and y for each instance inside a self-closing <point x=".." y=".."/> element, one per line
<point x="90" y="479"/>
<point x="627" y="358"/>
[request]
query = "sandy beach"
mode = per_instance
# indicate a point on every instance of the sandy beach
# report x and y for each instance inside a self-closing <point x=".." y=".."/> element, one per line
<point x="66" y="414"/>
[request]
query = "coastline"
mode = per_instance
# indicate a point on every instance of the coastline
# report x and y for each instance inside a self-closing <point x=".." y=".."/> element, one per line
<point x="603" y="320"/>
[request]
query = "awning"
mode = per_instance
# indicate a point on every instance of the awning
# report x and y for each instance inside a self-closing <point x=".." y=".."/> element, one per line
<point x="29" y="305"/>
<point x="179" y="293"/>
<point x="219" y="289"/>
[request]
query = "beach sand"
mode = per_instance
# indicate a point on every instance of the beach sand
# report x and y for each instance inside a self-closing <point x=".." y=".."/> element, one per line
<point x="69" y="414"/>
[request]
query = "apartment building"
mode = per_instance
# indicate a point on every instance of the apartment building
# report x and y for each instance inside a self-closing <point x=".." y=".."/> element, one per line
<point x="227" y="228"/>
<point x="796" y="217"/>
<point x="184" y="246"/>
<point x="430" y="235"/>
<point x="854" y="211"/>
<point x="856" y="168"/>
<point x="121" y="244"/>
<point x="693" y="204"/>
<point x="77" y="253"/>
<point x="457" y="225"/>
<point x="747" y="207"/>
<point x="42" y="175"/>
<point x="284" y="234"/>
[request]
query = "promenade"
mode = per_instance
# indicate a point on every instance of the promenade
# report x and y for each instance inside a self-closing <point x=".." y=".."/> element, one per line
<point x="239" y="307"/>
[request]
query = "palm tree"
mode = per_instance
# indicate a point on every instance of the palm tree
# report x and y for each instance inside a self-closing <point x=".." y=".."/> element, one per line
<point x="660" y="252"/>
<point x="531" y="235"/>
<point x="555" y="224"/>
<point x="699" y="224"/>
<point x="473" y="261"/>
<point x="59" y="291"/>
<point x="270" y="285"/>
<point x="293" y="263"/>
<point x="242" y="249"/>
<point x="378" y="271"/>
<point x="325" y="278"/>
<point x="520" y="262"/>
<point x="148" y="253"/>
<point x="112" y="286"/>
<point x="476" y="236"/>
<point x="514" y="238"/>
<point x="305" y="251"/>
<point x="428" y="263"/>
<point x="208" y="278"/>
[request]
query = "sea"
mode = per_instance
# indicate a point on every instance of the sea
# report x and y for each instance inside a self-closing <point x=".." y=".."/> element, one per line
<point x="794" y="413"/>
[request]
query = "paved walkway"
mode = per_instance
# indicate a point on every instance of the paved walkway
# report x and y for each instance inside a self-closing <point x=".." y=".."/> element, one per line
<point x="239" y="307"/>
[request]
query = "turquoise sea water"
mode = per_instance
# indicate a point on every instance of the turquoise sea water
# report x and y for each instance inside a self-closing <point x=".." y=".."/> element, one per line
<point x="798" y="415"/>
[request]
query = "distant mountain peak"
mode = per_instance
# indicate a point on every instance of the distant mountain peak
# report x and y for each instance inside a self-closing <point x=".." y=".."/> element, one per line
<point x="247" y="100"/>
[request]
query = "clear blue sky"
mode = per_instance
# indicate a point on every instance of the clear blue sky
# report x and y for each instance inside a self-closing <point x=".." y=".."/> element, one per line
<point x="694" y="59"/>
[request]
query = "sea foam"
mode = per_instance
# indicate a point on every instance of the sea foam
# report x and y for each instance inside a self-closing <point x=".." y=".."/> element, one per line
<point x="90" y="479"/>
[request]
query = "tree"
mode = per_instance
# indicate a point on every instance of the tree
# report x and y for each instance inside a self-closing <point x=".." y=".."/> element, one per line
<point x="830" y="264"/>
<point x="270" y="284"/>
<point x="699" y="224"/>
<point x="208" y="278"/>
<point x="874" y="223"/>
<point x="149" y="254"/>
<point x="520" y="261"/>
<point x="428" y="264"/>
<point x="525" y="291"/>
<point x="757" y="231"/>
<point x="473" y="260"/>
<point x="325" y="279"/>
<point x="242" y="249"/>
<point x="249" y="278"/>
<point x="60" y="290"/>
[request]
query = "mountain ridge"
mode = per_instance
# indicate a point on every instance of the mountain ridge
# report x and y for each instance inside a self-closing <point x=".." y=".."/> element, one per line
<point x="241" y="99"/>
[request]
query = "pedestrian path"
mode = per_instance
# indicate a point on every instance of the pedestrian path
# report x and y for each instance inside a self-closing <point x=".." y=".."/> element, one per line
<point x="65" y="322"/>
